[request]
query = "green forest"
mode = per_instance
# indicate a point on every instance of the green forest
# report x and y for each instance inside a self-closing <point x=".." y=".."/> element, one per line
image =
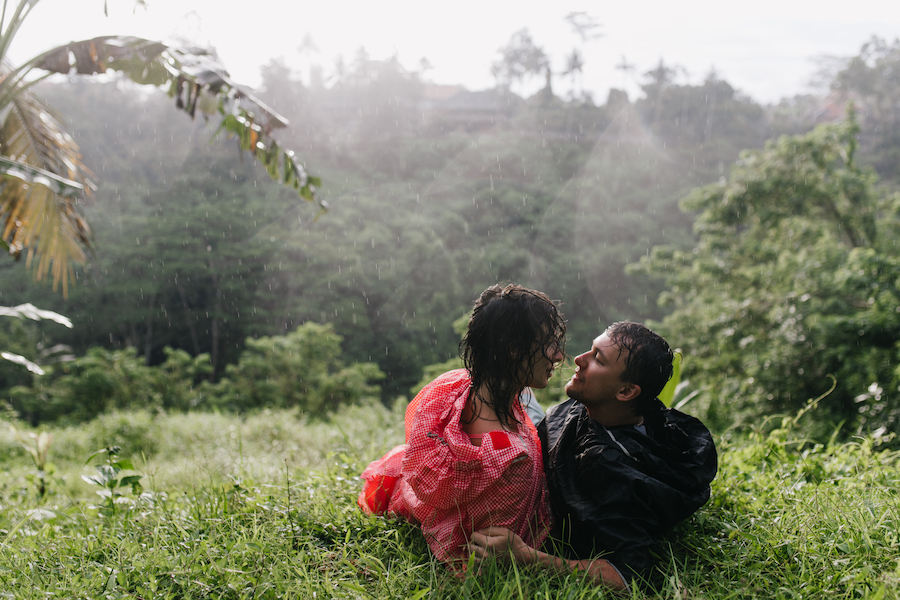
<point x="239" y="354"/>
<point x="758" y="239"/>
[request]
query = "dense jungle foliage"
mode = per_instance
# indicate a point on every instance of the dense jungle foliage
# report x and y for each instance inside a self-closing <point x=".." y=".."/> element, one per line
<point x="203" y="265"/>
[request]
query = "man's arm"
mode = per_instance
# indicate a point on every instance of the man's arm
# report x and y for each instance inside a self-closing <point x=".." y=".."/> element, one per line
<point x="501" y="542"/>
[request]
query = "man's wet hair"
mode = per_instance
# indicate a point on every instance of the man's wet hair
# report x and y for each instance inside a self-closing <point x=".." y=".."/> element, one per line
<point x="648" y="358"/>
<point x="511" y="328"/>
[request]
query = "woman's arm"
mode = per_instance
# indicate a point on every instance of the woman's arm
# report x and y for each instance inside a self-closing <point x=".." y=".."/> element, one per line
<point x="501" y="542"/>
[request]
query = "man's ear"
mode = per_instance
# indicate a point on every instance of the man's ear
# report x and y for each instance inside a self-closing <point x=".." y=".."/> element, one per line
<point x="628" y="392"/>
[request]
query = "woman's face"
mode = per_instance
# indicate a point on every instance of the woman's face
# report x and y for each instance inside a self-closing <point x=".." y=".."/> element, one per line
<point x="543" y="367"/>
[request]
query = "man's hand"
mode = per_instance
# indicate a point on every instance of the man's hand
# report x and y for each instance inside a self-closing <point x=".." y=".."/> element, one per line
<point x="497" y="541"/>
<point x="505" y="545"/>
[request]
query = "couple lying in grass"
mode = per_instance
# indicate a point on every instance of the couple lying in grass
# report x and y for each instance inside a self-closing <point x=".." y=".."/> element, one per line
<point x="599" y="479"/>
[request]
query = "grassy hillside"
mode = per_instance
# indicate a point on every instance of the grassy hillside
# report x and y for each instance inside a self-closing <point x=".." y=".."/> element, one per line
<point x="264" y="507"/>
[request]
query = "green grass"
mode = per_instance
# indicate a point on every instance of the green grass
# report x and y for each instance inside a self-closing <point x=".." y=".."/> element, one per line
<point x="264" y="507"/>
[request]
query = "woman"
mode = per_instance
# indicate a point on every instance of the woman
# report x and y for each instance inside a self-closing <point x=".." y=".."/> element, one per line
<point x="472" y="458"/>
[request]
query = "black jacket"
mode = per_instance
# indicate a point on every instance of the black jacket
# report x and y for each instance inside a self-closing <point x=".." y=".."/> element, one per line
<point x="615" y="491"/>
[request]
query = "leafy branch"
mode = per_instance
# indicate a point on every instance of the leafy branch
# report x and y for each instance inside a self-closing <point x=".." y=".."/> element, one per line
<point x="110" y="481"/>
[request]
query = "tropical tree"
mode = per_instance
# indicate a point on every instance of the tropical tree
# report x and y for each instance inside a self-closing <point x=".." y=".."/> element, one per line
<point x="584" y="26"/>
<point x="872" y="78"/>
<point x="520" y="59"/>
<point x="793" y="287"/>
<point x="42" y="180"/>
<point x="574" y="68"/>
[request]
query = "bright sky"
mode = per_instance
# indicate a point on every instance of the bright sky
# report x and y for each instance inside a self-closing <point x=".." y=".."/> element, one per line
<point x="764" y="48"/>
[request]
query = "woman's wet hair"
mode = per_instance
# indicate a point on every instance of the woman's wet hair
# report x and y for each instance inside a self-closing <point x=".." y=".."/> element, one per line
<point x="511" y="328"/>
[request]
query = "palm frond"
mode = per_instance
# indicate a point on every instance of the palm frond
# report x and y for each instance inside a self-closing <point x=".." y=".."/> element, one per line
<point x="10" y="23"/>
<point x="197" y="81"/>
<point x="42" y="179"/>
<point x="42" y="185"/>
<point x="30" y="174"/>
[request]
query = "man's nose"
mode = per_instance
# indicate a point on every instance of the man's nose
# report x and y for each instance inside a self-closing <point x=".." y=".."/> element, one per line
<point x="579" y="360"/>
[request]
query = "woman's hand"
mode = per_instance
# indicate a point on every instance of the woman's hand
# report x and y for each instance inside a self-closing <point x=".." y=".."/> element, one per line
<point x="498" y="542"/>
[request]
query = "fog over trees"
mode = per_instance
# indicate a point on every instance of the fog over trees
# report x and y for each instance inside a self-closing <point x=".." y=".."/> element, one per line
<point x="436" y="192"/>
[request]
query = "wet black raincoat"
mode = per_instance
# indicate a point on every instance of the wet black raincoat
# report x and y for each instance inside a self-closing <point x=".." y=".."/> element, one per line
<point x="615" y="491"/>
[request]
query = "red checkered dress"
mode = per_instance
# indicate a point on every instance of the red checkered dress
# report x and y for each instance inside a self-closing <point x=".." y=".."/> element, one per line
<point x="451" y="488"/>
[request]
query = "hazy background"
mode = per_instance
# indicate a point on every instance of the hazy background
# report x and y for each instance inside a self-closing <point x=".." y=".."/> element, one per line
<point x="443" y="180"/>
<point x="765" y="48"/>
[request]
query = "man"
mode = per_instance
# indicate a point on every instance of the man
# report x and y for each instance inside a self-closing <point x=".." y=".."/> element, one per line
<point x="621" y="468"/>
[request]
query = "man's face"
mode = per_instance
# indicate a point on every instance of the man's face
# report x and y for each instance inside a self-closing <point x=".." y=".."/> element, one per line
<point x="598" y="377"/>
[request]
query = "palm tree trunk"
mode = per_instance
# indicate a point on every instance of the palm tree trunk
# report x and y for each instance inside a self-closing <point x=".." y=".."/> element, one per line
<point x="214" y="335"/>
<point x="148" y="339"/>
<point x="187" y="317"/>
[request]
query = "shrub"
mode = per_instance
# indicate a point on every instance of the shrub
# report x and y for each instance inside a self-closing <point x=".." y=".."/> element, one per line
<point x="135" y="432"/>
<point x="82" y="389"/>
<point x="103" y="380"/>
<point x="176" y="379"/>
<point x="302" y="369"/>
